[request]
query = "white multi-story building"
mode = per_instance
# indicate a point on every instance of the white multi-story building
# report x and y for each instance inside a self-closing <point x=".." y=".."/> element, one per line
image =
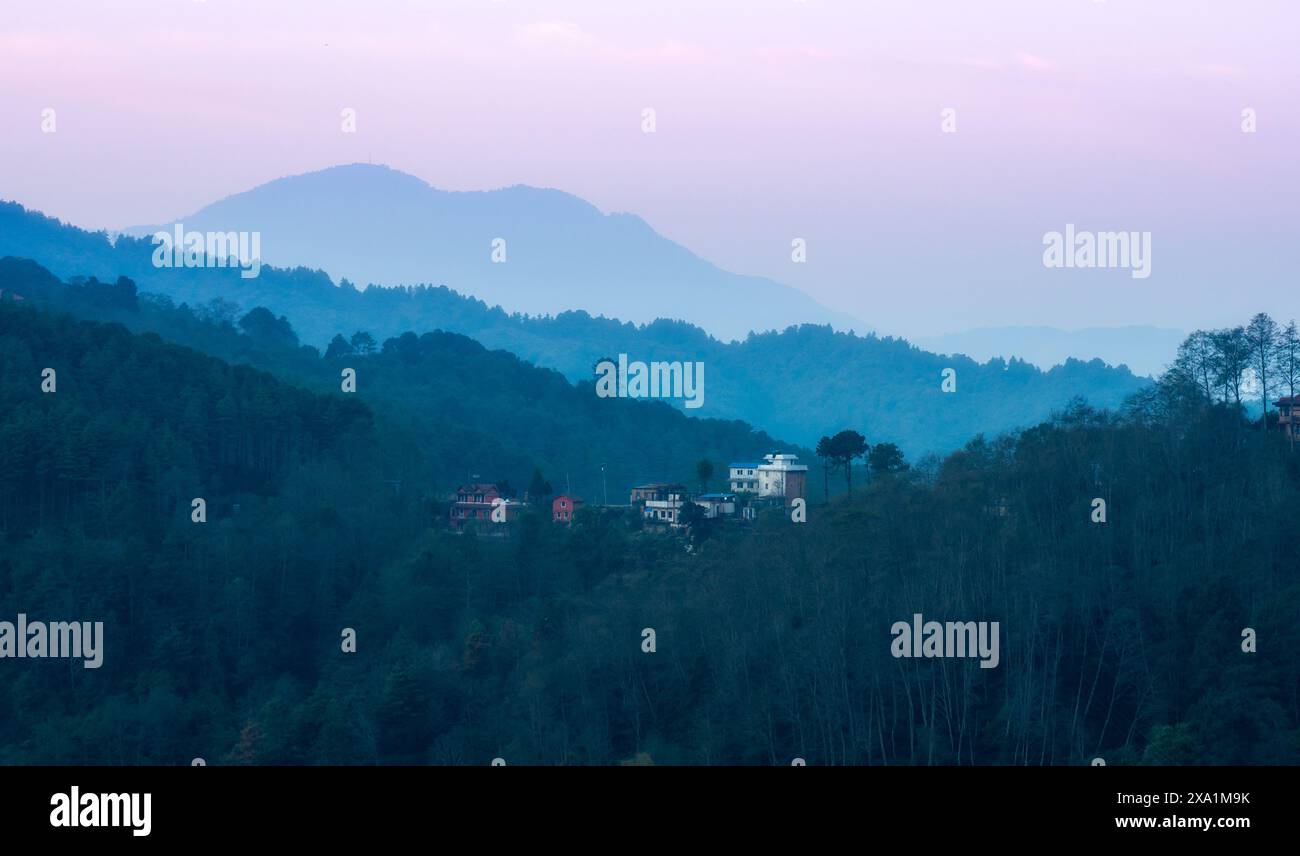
<point x="777" y="475"/>
<point x="744" y="476"/>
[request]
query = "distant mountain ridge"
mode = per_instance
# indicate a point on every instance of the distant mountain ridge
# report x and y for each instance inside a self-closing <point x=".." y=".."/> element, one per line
<point x="527" y="249"/>
<point x="1145" y="349"/>
<point x="799" y="384"/>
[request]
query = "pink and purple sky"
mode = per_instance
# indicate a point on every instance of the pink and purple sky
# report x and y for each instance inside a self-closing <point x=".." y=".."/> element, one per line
<point x="776" y="119"/>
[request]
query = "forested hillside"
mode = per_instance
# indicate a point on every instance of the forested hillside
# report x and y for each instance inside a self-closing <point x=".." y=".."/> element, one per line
<point x="451" y="408"/>
<point x="798" y="384"/>
<point x="1120" y="639"/>
<point x="96" y="497"/>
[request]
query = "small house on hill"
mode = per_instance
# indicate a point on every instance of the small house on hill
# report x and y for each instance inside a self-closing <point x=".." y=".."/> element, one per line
<point x="563" y="508"/>
<point x="661" y="502"/>
<point x="717" y="504"/>
<point x="476" y="502"/>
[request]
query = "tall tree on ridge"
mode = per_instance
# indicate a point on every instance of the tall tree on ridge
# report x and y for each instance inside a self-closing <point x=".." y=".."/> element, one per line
<point x="1288" y="357"/>
<point x="1196" y="359"/>
<point x="1262" y="335"/>
<point x="1288" y="364"/>
<point x="824" y="452"/>
<point x="1231" y="359"/>
<point x="847" y="446"/>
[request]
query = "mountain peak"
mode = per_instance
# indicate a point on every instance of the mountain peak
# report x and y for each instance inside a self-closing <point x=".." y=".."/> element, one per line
<point x="534" y="250"/>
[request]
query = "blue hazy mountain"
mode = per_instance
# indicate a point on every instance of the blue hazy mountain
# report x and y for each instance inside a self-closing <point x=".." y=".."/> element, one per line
<point x="798" y="384"/>
<point x="375" y="225"/>
<point x="1144" y="349"/>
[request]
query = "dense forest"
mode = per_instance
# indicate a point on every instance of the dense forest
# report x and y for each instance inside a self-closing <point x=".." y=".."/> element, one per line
<point x="450" y="408"/>
<point x="796" y="384"/>
<point x="1120" y="639"/>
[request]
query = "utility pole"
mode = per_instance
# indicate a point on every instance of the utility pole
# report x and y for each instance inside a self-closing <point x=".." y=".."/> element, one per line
<point x="604" y="489"/>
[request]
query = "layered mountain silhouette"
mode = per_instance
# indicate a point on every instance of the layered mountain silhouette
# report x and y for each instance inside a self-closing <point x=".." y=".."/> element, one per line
<point x="438" y="400"/>
<point x="527" y="249"/>
<point x="798" y="384"/>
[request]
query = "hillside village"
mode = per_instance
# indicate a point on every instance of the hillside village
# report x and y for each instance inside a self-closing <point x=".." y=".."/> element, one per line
<point x="775" y="481"/>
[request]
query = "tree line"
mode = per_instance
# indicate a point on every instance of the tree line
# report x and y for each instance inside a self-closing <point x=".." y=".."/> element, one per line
<point x="1260" y="358"/>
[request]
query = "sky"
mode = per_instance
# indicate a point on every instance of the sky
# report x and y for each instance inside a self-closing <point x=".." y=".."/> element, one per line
<point x="821" y="120"/>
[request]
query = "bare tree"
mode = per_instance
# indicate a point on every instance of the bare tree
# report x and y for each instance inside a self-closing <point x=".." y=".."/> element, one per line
<point x="1262" y="338"/>
<point x="1196" y="361"/>
<point x="1231" y="359"/>
<point x="1288" y="366"/>
<point x="1288" y="358"/>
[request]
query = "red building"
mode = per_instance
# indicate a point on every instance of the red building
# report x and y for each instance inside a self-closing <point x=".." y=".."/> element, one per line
<point x="476" y="501"/>
<point x="563" y="508"/>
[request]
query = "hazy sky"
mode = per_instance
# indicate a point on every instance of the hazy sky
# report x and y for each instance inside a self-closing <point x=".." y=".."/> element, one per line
<point x="776" y="119"/>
